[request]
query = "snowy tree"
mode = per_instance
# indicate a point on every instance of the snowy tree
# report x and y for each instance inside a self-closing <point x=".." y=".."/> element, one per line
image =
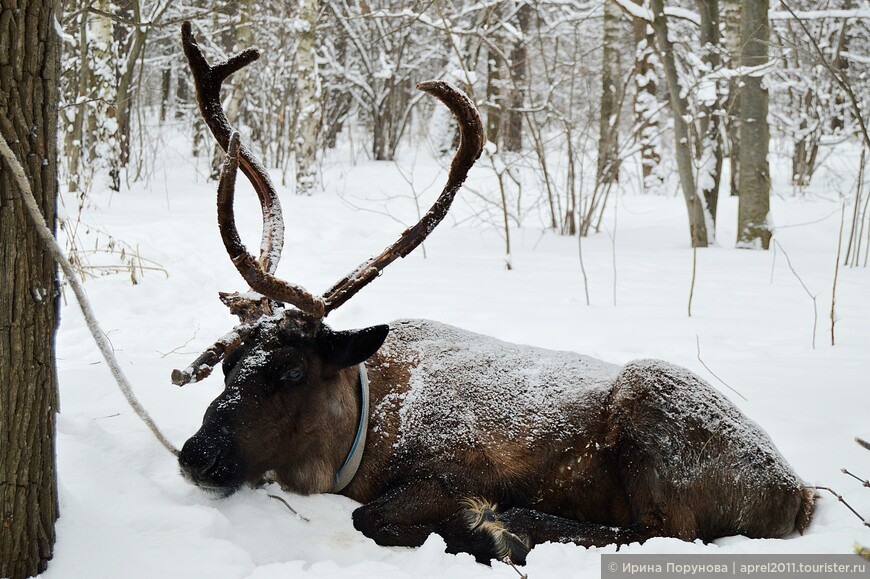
<point x="385" y="55"/>
<point x="308" y="99"/>
<point x="646" y="105"/>
<point x="695" y="157"/>
<point x="611" y="95"/>
<point x="731" y="22"/>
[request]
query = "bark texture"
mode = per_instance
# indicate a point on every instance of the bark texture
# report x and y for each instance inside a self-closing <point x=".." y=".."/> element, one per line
<point x="753" y="228"/>
<point x="29" y="69"/>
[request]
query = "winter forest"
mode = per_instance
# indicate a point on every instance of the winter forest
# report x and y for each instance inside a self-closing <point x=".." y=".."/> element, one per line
<point x="681" y="180"/>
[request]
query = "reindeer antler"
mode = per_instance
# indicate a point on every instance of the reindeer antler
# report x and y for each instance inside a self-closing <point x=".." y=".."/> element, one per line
<point x="471" y="141"/>
<point x="207" y="80"/>
<point x="259" y="274"/>
<point x="258" y="278"/>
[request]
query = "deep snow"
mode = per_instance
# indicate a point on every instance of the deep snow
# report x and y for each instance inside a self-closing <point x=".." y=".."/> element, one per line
<point x="126" y="511"/>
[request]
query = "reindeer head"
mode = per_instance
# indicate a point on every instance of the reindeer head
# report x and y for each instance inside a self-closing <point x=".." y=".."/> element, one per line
<point x="289" y="378"/>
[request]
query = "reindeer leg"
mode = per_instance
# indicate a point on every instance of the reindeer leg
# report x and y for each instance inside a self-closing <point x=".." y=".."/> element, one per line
<point x="408" y="514"/>
<point x="536" y="527"/>
<point x="516" y="530"/>
<point x="405" y="515"/>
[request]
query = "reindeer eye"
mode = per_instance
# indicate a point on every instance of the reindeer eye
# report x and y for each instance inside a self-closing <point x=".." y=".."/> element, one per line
<point x="294" y="375"/>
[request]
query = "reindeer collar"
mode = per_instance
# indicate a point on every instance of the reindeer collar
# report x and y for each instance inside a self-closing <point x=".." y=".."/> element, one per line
<point x="348" y="470"/>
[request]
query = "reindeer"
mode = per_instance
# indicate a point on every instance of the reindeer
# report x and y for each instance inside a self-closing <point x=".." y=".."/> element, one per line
<point x="497" y="447"/>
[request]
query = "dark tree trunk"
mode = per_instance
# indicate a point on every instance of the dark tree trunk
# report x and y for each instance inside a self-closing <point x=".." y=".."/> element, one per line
<point x="165" y="95"/>
<point x="753" y="230"/>
<point x="29" y="68"/>
<point x="513" y="138"/>
<point x="493" y="95"/>
<point x="182" y="92"/>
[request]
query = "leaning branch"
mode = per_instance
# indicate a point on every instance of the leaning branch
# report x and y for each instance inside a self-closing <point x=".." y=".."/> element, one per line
<point x="55" y="251"/>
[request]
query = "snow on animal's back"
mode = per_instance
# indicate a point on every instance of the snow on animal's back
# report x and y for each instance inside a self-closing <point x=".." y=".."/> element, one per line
<point x="468" y="390"/>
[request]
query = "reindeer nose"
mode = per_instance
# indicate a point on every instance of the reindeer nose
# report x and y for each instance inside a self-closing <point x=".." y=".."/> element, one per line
<point x="198" y="459"/>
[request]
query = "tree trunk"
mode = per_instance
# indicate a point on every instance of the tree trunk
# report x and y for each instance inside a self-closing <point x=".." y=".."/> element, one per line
<point x="307" y="99"/>
<point x="101" y="86"/>
<point x="731" y="18"/>
<point x="753" y="223"/>
<point x="841" y="65"/>
<point x="337" y="104"/>
<point x="165" y="94"/>
<point x="513" y="139"/>
<point x="683" y="148"/>
<point x="29" y="69"/>
<point x="611" y="81"/>
<point x="645" y="101"/>
<point x="124" y="98"/>
<point x="493" y="94"/>
<point x="74" y="139"/>
<point x="182" y="91"/>
<point x="710" y="142"/>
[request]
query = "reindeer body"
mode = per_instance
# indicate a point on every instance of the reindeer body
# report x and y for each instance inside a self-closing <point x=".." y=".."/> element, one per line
<point x="612" y="455"/>
<point x="446" y="399"/>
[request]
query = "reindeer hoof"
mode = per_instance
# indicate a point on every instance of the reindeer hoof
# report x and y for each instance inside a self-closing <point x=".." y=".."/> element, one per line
<point x="481" y="516"/>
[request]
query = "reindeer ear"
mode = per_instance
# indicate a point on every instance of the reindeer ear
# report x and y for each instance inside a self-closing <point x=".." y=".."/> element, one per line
<point x="346" y="348"/>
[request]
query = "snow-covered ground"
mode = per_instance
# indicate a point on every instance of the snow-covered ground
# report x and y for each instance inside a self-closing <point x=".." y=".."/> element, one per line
<point x="126" y="511"/>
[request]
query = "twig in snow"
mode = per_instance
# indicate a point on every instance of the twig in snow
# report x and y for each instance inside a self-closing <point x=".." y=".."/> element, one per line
<point x="773" y="264"/>
<point x="842" y="500"/>
<point x="856" y="214"/>
<point x="712" y="373"/>
<point x="56" y="253"/>
<point x="286" y="504"/>
<point x="837" y="271"/>
<point x="864" y="482"/>
<point x="508" y="561"/>
<point x="863" y="442"/>
<point x="694" y="270"/>
<point x="582" y="267"/>
<point x="177" y="349"/>
<point x="803" y="285"/>
<point x="613" y="245"/>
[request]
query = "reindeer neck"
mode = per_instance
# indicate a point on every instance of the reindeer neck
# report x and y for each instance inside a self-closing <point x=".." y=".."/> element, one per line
<point x="350" y="465"/>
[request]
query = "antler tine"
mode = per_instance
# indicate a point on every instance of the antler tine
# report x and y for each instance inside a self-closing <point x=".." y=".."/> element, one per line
<point x="207" y="80"/>
<point x="471" y="141"/>
<point x="259" y="279"/>
<point x="200" y="368"/>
